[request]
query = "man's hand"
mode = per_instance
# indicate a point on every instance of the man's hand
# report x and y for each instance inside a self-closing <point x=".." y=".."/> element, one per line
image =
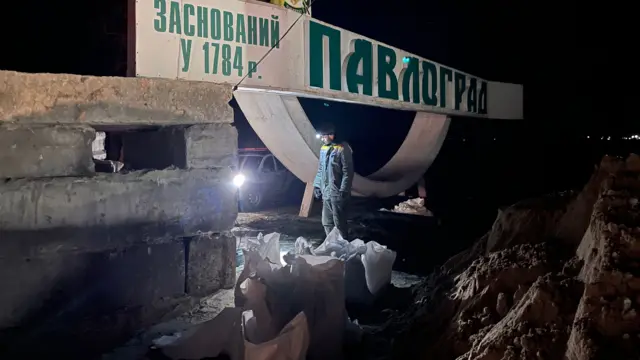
<point x="317" y="193"/>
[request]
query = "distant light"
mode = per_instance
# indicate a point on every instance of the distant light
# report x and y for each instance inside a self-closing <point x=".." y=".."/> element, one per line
<point x="238" y="180"/>
<point x="406" y="60"/>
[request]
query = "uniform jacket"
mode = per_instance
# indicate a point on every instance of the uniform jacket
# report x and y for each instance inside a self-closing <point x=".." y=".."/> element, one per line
<point x="335" y="170"/>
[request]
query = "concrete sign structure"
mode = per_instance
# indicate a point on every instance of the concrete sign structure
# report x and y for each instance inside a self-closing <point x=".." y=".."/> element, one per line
<point x="242" y="43"/>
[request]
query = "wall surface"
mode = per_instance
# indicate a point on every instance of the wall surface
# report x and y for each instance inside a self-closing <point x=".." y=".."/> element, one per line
<point x="88" y="258"/>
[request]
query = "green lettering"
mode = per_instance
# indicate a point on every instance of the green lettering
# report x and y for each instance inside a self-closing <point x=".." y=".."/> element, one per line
<point x="460" y="82"/>
<point x="189" y="10"/>
<point x="207" y="64"/>
<point x="226" y="59"/>
<point x="216" y="56"/>
<point x="429" y="83"/>
<point x="472" y="95"/>
<point x="264" y="32"/>
<point x="252" y="24"/>
<point x="175" y="26"/>
<point x="410" y="76"/>
<point x="275" y="32"/>
<point x="482" y="108"/>
<point x="252" y="68"/>
<point x="215" y="24"/>
<point x="185" y="49"/>
<point x="203" y="22"/>
<point x="445" y="78"/>
<point x="362" y="54"/>
<point x="160" y="24"/>
<point x="241" y="35"/>
<point x="228" y="26"/>
<point x="237" y="60"/>
<point x="317" y="32"/>
<point x="386" y="64"/>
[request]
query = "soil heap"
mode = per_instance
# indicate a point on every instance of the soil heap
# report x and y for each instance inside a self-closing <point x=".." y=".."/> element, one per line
<point x="555" y="278"/>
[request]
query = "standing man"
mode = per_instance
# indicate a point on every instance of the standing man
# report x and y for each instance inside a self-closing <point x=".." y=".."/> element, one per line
<point x="333" y="181"/>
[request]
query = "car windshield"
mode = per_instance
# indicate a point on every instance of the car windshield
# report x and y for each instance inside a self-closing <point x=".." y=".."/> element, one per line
<point x="250" y="163"/>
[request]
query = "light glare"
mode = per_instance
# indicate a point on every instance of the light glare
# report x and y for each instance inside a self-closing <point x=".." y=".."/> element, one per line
<point x="238" y="180"/>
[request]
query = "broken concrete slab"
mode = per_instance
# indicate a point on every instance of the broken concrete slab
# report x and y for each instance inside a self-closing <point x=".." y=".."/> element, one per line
<point x="56" y="215"/>
<point x="211" y="264"/>
<point x="111" y="101"/>
<point x="45" y="151"/>
<point x="194" y="147"/>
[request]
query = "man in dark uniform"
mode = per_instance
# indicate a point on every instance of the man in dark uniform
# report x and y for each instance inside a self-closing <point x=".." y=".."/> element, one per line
<point x="333" y="181"/>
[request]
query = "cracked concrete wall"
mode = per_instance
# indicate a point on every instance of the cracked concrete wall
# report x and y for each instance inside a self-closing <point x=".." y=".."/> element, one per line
<point x="86" y="259"/>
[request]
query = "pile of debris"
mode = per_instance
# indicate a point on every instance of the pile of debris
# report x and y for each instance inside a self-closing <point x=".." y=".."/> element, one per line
<point x="413" y="206"/>
<point x="555" y="278"/>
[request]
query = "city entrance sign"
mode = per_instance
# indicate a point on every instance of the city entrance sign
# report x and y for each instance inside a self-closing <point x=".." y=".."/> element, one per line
<point x="243" y="43"/>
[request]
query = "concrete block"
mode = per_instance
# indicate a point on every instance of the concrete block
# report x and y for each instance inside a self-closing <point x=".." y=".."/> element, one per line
<point x="75" y="305"/>
<point x="45" y="151"/>
<point x="211" y="264"/>
<point x="194" y="147"/>
<point x="50" y="216"/>
<point x="111" y="101"/>
<point x="211" y="146"/>
<point x="67" y="287"/>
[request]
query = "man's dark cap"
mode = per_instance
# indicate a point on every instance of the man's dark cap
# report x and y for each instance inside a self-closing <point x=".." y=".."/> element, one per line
<point x="327" y="129"/>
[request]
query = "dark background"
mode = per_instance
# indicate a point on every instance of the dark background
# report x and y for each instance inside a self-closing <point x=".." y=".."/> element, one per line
<point x="567" y="55"/>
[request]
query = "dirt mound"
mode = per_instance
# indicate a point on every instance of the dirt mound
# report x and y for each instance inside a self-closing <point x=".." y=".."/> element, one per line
<point x="555" y="278"/>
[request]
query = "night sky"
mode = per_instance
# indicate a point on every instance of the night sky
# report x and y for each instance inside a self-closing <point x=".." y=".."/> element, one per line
<point x="566" y="54"/>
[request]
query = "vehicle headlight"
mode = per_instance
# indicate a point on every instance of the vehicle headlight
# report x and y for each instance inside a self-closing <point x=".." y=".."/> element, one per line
<point x="238" y="180"/>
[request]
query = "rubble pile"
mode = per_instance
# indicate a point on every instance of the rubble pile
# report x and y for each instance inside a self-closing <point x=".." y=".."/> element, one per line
<point x="555" y="278"/>
<point x="412" y="207"/>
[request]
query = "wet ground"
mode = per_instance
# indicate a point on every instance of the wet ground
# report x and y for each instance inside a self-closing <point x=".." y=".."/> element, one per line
<point x="366" y="223"/>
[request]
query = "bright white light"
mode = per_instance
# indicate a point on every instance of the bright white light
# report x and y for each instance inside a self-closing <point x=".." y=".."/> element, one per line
<point x="238" y="180"/>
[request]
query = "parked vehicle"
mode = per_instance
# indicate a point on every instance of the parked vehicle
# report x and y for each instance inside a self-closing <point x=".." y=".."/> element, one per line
<point x="266" y="179"/>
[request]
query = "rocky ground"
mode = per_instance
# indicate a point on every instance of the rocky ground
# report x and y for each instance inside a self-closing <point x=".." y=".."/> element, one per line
<point x="555" y="278"/>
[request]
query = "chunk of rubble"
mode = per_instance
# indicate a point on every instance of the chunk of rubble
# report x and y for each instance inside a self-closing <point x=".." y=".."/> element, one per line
<point x="413" y="206"/>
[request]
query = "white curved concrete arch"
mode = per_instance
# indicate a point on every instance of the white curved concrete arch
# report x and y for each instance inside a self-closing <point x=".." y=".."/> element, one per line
<point x="283" y="126"/>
